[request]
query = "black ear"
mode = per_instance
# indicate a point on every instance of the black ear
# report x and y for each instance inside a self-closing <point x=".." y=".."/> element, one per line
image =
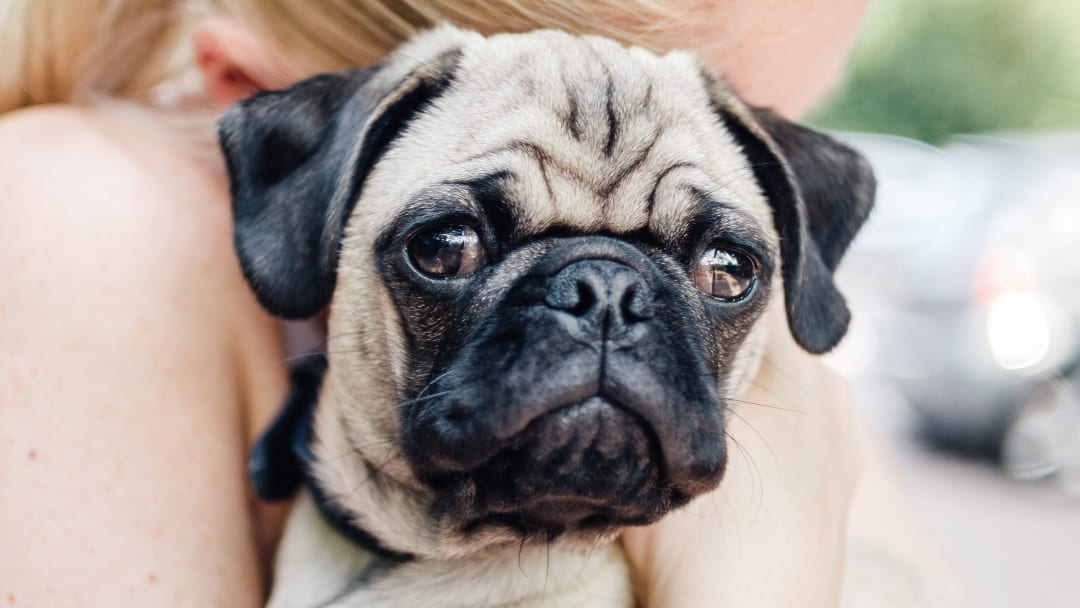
<point x="821" y="192"/>
<point x="835" y="182"/>
<point x="297" y="159"/>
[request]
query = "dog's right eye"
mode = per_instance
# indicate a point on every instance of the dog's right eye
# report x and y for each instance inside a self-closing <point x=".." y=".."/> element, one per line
<point x="724" y="274"/>
<point x="447" y="251"/>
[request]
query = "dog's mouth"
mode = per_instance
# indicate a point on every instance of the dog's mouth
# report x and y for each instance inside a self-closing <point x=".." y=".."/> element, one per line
<point x="591" y="466"/>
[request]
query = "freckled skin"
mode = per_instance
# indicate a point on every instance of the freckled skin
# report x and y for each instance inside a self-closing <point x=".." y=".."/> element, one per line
<point x="124" y="343"/>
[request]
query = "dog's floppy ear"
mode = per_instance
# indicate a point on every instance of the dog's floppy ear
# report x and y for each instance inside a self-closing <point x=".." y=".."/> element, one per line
<point x="297" y="159"/>
<point x="820" y="191"/>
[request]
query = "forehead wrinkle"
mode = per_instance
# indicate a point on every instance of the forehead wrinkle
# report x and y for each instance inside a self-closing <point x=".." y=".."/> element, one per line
<point x="602" y="113"/>
<point x="566" y="176"/>
<point x="674" y="228"/>
<point x="609" y="111"/>
<point x="583" y="193"/>
<point x="732" y="178"/>
<point x="563" y="193"/>
<point x="539" y="187"/>
<point x="552" y="174"/>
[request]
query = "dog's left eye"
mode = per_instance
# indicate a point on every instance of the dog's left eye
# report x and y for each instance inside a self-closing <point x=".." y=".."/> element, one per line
<point x="447" y="251"/>
<point x="723" y="274"/>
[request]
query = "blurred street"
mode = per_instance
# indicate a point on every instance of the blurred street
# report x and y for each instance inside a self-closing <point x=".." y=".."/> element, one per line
<point x="1017" y="543"/>
<point x="926" y="371"/>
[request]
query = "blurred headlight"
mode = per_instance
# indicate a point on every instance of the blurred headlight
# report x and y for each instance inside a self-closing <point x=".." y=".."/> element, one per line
<point x="1018" y="329"/>
<point x="1001" y="270"/>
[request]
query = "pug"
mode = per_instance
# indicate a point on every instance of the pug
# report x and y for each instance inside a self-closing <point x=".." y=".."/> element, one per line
<point x="547" y="260"/>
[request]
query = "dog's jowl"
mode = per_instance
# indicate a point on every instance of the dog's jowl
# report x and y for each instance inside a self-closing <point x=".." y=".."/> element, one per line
<point x="546" y="261"/>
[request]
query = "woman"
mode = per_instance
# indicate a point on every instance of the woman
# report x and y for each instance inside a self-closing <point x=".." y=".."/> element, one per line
<point x="135" y="367"/>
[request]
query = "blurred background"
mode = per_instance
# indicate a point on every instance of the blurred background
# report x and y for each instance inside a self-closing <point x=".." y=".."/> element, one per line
<point x="965" y="285"/>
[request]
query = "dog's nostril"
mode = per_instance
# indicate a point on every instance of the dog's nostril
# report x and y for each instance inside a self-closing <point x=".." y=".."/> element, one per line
<point x="573" y="294"/>
<point x="636" y="305"/>
<point x="585" y="299"/>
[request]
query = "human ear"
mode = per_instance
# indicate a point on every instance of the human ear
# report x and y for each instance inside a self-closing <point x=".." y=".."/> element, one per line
<point x="233" y="61"/>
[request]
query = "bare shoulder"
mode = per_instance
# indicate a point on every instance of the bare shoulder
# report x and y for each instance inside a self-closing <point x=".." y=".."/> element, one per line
<point x="133" y="354"/>
<point x="78" y="163"/>
<point x="45" y="149"/>
<point x="41" y="120"/>
<point x="82" y="189"/>
<point x="90" y="209"/>
<point x="109" y="212"/>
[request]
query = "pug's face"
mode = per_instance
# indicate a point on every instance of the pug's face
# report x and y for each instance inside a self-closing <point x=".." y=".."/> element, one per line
<point x="547" y="260"/>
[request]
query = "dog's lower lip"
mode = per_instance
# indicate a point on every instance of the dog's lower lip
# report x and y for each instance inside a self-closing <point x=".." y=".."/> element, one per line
<point x="561" y="510"/>
<point x="570" y="408"/>
<point x="590" y="464"/>
<point x="596" y="400"/>
<point x="569" y="411"/>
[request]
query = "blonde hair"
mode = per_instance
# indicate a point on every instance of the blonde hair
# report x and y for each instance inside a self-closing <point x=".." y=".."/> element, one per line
<point x="333" y="34"/>
<point x="68" y="50"/>
<point x="55" y="51"/>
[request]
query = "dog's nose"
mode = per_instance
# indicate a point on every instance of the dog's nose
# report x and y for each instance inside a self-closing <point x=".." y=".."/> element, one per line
<point x="602" y="299"/>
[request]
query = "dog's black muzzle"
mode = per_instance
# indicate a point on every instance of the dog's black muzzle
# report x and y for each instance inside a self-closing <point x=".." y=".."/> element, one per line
<point x="582" y="401"/>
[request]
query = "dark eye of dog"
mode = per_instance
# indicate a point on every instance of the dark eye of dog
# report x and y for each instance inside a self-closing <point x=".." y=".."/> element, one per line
<point x="723" y="273"/>
<point x="447" y="251"/>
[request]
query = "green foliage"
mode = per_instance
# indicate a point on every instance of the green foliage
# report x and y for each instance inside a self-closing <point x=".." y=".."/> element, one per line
<point x="928" y="69"/>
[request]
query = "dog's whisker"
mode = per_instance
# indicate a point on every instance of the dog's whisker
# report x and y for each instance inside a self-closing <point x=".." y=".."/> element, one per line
<point x="758" y="484"/>
<point x="359" y="450"/>
<point x="768" y="405"/>
<point x="547" y="558"/>
<point x="725" y="180"/>
<point x="434" y="381"/>
<point x="422" y="398"/>
<point x="521" y="549"/>
<point x="780" y="397"/>
<point x="795" y="384"/>
<point x="339" y="457"/>
<point x="390" y="455"/>
<point x="764" y="441"/>
<point x="359" y="484"/>
<point x="374" y="470"/>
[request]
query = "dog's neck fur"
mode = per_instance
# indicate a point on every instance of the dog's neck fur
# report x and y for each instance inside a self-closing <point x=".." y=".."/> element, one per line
<point x="324" y="569"/>
<point x="337" y="518"/>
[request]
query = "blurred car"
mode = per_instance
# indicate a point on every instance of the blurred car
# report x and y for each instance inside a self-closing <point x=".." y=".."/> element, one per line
<point x="965" y="287"/>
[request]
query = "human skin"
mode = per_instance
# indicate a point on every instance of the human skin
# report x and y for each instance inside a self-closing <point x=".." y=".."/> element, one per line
<point x="135" y="367"/>
<point x="782" y="54"/>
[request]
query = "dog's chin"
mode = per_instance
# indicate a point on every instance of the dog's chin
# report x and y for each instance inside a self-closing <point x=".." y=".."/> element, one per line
<point x="583" y="471"/>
